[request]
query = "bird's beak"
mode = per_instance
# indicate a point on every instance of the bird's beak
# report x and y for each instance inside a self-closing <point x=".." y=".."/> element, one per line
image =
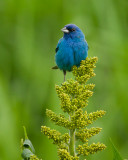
<point x="65" y="30"/>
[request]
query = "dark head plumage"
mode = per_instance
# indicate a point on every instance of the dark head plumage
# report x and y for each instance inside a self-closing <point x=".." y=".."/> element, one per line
<point x="71" y="30"/>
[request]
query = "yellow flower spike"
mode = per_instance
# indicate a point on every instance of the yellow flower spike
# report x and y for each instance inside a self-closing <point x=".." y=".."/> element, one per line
<point x="74" y="95"/>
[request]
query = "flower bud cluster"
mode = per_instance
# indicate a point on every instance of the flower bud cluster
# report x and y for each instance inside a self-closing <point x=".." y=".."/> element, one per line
<point x="58" y="139"/>
<point x="85" y="149"/>
<point x="75" y="97"/>
<point x="80" y="120"/>
<point x="85" y="71"/>
<point x="60" y="120"/>
<point x="85" y="134"/>
<point x="65" y="155"/>
<point x="65" y="100"/>
<point x="95" y="115"/>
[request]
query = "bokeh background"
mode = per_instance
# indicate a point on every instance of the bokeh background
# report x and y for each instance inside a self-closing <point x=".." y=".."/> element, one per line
<point x="29" y="32"/>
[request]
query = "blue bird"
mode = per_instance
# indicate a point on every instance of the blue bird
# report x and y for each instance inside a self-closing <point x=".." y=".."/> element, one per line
<point x="71" y="48"/>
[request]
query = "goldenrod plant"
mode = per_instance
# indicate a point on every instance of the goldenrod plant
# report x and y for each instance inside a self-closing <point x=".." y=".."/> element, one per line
<point x="74" y="95"/>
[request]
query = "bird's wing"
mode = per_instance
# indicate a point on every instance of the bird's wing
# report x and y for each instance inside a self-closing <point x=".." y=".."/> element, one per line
<point x="57" y="48"/>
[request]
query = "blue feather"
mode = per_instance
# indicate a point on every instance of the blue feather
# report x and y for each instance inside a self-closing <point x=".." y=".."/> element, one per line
<point x="71" y="49"/>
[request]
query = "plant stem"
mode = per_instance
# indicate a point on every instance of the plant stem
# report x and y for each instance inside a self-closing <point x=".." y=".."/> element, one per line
<point x="25" y="132"/>
<point x="72" y="141"/>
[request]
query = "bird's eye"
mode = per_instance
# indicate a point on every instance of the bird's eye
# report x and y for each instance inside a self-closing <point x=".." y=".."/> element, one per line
<point x="73" y="29"/>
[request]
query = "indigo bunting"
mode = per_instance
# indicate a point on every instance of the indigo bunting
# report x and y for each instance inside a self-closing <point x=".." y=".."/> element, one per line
<point x="71" y="48"/>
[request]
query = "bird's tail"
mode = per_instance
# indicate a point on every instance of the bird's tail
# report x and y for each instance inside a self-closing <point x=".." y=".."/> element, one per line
<point x="55" y="67"/>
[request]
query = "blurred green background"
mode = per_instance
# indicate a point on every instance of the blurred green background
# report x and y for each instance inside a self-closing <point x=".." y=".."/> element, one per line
<point x="29" y="32"/>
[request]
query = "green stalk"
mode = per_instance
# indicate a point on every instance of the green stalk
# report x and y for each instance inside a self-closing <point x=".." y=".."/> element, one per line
<point x="72" y="141"/>
<point x="25" y="132"/>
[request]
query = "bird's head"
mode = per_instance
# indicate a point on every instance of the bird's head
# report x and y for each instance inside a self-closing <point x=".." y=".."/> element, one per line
<point x="72" y="31"/>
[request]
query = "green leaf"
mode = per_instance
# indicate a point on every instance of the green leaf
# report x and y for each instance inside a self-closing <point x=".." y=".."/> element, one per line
<point x="26" y="154"/>
<point x="28" y="144"/>
<point x="116" y="154"/>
